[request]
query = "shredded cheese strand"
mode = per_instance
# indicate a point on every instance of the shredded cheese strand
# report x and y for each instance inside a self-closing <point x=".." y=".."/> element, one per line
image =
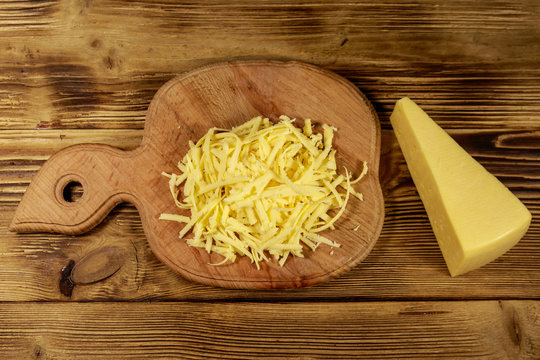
<point x="260" y="188"/>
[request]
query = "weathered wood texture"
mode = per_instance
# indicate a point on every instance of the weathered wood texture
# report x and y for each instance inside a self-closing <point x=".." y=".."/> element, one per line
<point x="405" y="263"/>
<point x="487" y="330"/>
<point x="85" y="71"/>
<point x="97" y="64"/>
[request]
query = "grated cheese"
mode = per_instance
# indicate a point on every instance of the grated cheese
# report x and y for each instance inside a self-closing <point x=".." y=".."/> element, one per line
<point x="259" y="189"/>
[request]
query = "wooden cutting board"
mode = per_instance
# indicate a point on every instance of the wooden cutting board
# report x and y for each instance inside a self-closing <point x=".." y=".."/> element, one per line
<point x="221" y="95"/>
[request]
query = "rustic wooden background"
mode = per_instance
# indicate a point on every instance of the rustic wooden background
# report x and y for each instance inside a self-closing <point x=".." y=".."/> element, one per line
<point x="85" y="71"/>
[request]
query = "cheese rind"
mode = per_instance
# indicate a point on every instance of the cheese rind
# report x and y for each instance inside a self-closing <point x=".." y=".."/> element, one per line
<point x="475" y="217"/>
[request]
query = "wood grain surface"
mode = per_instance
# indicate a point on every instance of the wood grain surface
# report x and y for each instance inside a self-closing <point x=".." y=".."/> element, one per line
<point x="389" y="330"/>
<point x="77" y="72"/>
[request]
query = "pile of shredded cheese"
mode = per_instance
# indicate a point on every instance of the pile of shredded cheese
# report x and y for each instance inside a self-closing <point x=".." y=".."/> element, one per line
<point x="261" y="189"/>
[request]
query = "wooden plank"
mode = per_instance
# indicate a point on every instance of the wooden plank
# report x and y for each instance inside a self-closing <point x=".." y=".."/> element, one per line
<point x="61" y="95"/>
<point x="367" y="330"/>
<point x="511" y="155"/>
<point x="405" y="263"/>
<point x="39" y="145"/>
<point x="58" y="70"/>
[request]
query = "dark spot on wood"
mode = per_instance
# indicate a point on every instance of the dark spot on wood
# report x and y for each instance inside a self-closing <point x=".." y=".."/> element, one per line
<point x="62" y="136"/>
<point x="423" y="313"/>
<point x="66" y="284"/>
<point x="109" y="62"/>
<point x="58" y="69"/>
<point x="136" y="264"/>
<point x="389" y="173"/>
<point x="344" y="41"/>
<point x="49" y="125"/>
<point x="521" y="140"/>
<point x="74" y="88"/>
<point x="96" y="44"/>
<point x="511" y="324"/>
<point x="518" y="145"/>
<point x="21" y="162"/>
<point x="511" y="321"/>
<point x="37" y="352"/>
<point x="516" y="330"/>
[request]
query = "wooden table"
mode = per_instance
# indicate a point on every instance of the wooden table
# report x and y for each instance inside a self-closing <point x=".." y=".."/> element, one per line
<point x="85" y="71"/>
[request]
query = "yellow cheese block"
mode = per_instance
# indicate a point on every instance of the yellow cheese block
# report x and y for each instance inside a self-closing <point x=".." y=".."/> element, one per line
<point x="475" y="218"/>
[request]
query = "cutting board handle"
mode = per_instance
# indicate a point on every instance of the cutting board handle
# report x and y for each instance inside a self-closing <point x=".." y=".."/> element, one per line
<point x="104" y="173"/>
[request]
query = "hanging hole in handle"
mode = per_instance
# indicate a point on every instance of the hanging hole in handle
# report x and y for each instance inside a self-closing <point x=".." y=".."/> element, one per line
<point x="70" y="189"/>
<point x="72" y="192"/>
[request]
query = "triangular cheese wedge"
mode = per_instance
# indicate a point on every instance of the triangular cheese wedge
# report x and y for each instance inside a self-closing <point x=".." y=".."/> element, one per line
<point x="475" y="218"/>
